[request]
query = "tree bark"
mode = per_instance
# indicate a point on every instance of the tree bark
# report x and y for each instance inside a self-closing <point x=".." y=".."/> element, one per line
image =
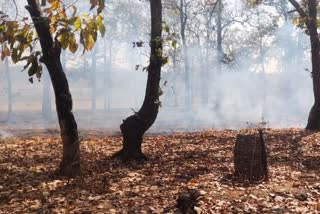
<point x="311" y="23"/>
<point x="134" y="127"/>
<point x="314" y="115"/>
<point x="51" y="50"/>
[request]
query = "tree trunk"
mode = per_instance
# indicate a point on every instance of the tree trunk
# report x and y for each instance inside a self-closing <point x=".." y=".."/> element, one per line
<point x="183" y="23"/>
<point x="134" y="127"/>
<point x="219" y="35"/>
<point x="175" y="73"/>
<point x="219" y="54"/>
<point x="9" y="83"/>
<point x="262" y="63"/>
<point x="311" y="23"/>
<point x="314" y="116"/>
<point x="204" y="78"/>
<point x="51" y="52"/>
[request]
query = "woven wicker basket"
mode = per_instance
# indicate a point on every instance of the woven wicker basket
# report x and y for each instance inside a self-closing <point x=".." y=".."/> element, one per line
<point x="250" y="157"/>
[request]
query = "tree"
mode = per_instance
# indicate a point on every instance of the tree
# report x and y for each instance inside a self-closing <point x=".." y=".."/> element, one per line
<point x="51" y="50"/>
<point x="219" y="34"/>
<point x="134" y="127"/>
<point x="309" y="18"/>
<point x="55" y="32"/>
<point x="183" y="23"/>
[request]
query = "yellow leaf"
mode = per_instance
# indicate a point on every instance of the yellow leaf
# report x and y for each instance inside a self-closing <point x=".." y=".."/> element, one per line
<point x="55" y="5"/>
<point x="77" y="24"/>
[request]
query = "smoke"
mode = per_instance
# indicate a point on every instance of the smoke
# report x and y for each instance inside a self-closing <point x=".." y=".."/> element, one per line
<point x="237" y="96"/>
<point x="4" y="134"/>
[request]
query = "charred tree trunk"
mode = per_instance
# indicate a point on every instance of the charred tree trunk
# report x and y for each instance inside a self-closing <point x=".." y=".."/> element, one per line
<point x="134" y="127"/>
<point x="51" y="50"/>
<point x="311" y="23"/>
<point x="314" y="116"/>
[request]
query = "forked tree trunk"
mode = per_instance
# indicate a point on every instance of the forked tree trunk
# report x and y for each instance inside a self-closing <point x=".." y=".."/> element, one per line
<point x="51" y="50"/>
<point x="134" y="127"/>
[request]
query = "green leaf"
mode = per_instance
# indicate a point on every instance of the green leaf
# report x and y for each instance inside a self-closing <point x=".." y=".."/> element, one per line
<point x="77" y="24"/>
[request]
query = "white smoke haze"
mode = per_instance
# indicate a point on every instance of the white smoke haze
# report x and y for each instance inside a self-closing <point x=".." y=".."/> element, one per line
<point x="239" y="96"/>
<point x="5" y="134"/>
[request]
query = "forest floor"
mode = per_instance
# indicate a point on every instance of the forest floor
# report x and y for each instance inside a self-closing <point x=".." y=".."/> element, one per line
<point x="177" y="162"/>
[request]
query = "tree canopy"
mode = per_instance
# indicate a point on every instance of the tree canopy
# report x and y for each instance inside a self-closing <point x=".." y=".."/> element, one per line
<point x="19" y="40"/>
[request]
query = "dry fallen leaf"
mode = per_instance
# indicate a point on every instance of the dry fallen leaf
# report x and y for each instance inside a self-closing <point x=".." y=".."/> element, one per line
<point x="201" y="161"/>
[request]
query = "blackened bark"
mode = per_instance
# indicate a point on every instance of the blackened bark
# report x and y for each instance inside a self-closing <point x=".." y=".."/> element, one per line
<point x="314" y="116"/>
<point x="51" y="50"/>
<point x="134" y="127"/>
<point x="311" y="23"/>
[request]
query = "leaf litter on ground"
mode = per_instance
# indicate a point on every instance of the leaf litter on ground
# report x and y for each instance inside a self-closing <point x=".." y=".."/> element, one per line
<point x="177" y="162"/>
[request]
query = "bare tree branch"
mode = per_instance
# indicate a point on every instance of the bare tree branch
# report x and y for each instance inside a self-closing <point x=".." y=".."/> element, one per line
<point x="299" y="9"/>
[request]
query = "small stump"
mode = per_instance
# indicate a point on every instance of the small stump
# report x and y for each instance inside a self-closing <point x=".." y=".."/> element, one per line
<point x="250" y="157"/>
<point x="187" y="201"/>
